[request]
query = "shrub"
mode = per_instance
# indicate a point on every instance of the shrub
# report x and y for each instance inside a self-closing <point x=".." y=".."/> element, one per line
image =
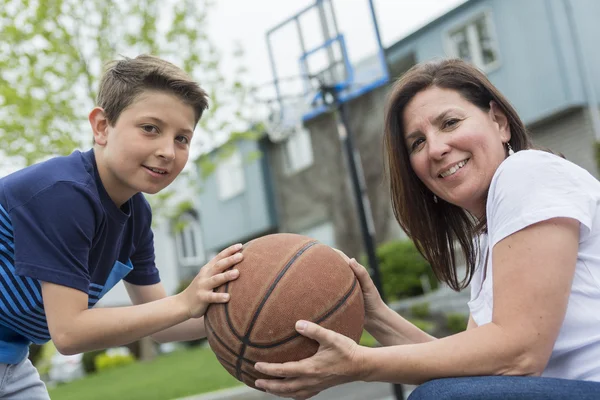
<point x="113" y="358"/>
<point x="420" y="310"/>
<point x="89" y="359"/>
<point x="402" y="266"/>
<point x="424" y="325"/>
<point x="367" y="340"/>
<point x="35" y="352"/>
<point x="456" y="322"/>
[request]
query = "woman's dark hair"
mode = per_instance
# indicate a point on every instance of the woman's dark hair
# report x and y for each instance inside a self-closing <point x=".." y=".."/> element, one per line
<point x="437" y="228"/>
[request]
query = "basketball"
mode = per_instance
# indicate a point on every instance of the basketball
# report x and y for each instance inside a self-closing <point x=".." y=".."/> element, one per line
<point x="283" y="278"/>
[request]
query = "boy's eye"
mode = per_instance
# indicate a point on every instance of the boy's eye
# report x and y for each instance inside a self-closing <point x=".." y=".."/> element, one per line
<point x="183" y="139"/>
<point x="150" y="128"/>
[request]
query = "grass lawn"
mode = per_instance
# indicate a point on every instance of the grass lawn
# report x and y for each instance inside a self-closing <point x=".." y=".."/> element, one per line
<point x="170" y="376"/>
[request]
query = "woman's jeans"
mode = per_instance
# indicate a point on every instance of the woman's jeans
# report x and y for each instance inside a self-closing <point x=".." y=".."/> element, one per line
<point x="506" y="388"/>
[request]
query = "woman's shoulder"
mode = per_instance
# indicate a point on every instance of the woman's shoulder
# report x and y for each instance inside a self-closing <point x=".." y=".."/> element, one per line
<point x="538" y="166"/>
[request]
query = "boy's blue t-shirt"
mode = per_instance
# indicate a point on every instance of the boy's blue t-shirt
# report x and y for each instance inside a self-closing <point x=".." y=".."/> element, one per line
<point x="59" y="225"/>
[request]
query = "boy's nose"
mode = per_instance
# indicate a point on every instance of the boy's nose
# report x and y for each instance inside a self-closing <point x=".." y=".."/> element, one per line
<point x="166" y="150"/>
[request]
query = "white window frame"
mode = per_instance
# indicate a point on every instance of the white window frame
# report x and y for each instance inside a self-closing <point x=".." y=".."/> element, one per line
<point x="324" y="232"/>
<point x="474" y="40"/>
<point x="189" y="237"/>
<point x="230" y="176"/>
<point x="298" y="151"/>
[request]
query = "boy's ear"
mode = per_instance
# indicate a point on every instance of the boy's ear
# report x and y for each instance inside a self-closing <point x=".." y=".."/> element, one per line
<point x="99" y="125"/>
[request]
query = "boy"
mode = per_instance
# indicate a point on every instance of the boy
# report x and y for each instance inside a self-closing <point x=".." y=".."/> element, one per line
<point x="72" y="227"/>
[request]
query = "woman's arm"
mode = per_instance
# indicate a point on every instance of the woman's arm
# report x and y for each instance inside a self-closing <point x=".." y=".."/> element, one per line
<point x="383" y="323"/>
<point x="533" y="271"/>
<point x="389" y="329"/>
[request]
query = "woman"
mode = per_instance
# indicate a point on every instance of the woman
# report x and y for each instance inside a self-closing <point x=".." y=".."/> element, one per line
<point x="464" y="173"/>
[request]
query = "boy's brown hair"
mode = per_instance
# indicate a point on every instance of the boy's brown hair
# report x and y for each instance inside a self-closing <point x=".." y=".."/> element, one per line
<point x="124" y="80"/>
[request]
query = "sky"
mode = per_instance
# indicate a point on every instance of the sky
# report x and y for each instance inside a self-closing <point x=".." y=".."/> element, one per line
<point x="247" y="21"/>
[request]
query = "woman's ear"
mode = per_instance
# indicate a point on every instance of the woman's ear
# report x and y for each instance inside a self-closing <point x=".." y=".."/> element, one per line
<point x="500" y="120"/>
<point x="99" y="125"/>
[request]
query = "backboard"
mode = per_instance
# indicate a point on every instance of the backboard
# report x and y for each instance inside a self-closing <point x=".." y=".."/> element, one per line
<point x="335" y="42"/>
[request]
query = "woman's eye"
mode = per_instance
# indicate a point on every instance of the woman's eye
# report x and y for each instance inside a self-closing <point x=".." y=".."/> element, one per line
<point x="415" y="145"/>
<point x="449" y="123"/>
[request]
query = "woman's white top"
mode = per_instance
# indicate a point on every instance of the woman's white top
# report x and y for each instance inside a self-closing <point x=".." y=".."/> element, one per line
<point x="529" y="187"/>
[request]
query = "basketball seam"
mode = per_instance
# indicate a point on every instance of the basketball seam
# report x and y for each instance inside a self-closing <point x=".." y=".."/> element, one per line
<point x="323" y="318"/>
<point x="225" y="345"/>
<point x="272" y="287"/>
<point x="233" y="366"/>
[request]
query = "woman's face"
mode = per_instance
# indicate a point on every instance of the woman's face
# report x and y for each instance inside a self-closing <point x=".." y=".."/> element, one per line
<point x="455" y="147"/>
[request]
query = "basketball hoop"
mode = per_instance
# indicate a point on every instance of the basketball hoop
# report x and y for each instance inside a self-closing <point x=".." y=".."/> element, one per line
<point x="281" y="123"/>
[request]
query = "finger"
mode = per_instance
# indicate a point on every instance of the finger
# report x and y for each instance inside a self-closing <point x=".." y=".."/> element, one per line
<point x="294" y="388"/>
<point x="221" y="279"/>
<point x="305" y="395"/>
<point x="226" y="263"/>
<point x="228" y="251"/>
<point x="344" y="256"/>
<point x="285" y="370"/>
<point x="362" y="275"/>
<point x="281" y="387"/>
<point x="315" y="332"/>
<point x="214" y="297"/>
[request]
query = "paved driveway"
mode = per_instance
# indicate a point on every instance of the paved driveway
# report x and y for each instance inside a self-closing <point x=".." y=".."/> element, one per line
<point x="350" y="391"/>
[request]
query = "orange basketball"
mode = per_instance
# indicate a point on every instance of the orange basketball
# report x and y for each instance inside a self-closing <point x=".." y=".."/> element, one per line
<point x="283" y="278"/>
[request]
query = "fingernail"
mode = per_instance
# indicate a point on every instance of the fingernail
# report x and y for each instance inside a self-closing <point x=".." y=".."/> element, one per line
<point x="301" y="325"/>
<point x="238" y="256"/>
<point x="235" y="272"/>
<point x="238" y="246"/>
<point x="258" y="384"/>
<point x="225" y="296"/>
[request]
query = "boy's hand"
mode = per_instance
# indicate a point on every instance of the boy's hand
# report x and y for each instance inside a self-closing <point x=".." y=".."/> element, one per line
<point x="199" y="293"/>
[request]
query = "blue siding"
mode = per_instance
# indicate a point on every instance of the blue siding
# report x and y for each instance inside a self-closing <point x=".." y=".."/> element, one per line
<point x="587" y="16"/>
<point x="241" y="217"/>
<point x="538" y="69"/>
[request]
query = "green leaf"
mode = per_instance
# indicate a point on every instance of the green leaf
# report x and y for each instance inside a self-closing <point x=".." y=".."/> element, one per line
<point x="49" y="75"/>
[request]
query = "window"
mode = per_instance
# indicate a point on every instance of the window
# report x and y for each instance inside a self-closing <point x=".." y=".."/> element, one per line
<point x="475" y="42"/>
<point x="324" y="233"/>
<point x="230" y="176"/>
<point x="188" y="240"/>
<point x="298" y="151"/>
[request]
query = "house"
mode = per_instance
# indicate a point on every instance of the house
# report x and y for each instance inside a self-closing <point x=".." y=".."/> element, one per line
<point x="539" y="53"/>
<point x="204" y="215"/>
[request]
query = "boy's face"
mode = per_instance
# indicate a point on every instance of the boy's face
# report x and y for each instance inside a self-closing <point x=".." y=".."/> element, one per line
<point x="147" y="147"/>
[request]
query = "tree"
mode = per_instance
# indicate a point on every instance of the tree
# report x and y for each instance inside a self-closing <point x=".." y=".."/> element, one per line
<point x="53" y="54"/>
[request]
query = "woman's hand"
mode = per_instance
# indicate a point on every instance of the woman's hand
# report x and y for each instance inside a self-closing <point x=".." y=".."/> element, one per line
<point x="373" y="302"/>
<point x="338" y="360"/>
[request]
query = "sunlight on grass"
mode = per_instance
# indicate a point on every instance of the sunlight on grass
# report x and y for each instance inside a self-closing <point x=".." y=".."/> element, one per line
<point x="171" y="376"/>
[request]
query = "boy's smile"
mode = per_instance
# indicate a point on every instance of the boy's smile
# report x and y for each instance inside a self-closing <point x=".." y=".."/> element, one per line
<point x="146" y="148"/>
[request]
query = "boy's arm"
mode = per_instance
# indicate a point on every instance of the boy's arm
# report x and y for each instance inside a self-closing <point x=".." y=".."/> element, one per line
<point x="188" y="330"/>
<point x="75" y="329"/>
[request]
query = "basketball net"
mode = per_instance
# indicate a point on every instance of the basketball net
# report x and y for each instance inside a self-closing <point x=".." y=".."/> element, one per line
<point x="280" y="125"/>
